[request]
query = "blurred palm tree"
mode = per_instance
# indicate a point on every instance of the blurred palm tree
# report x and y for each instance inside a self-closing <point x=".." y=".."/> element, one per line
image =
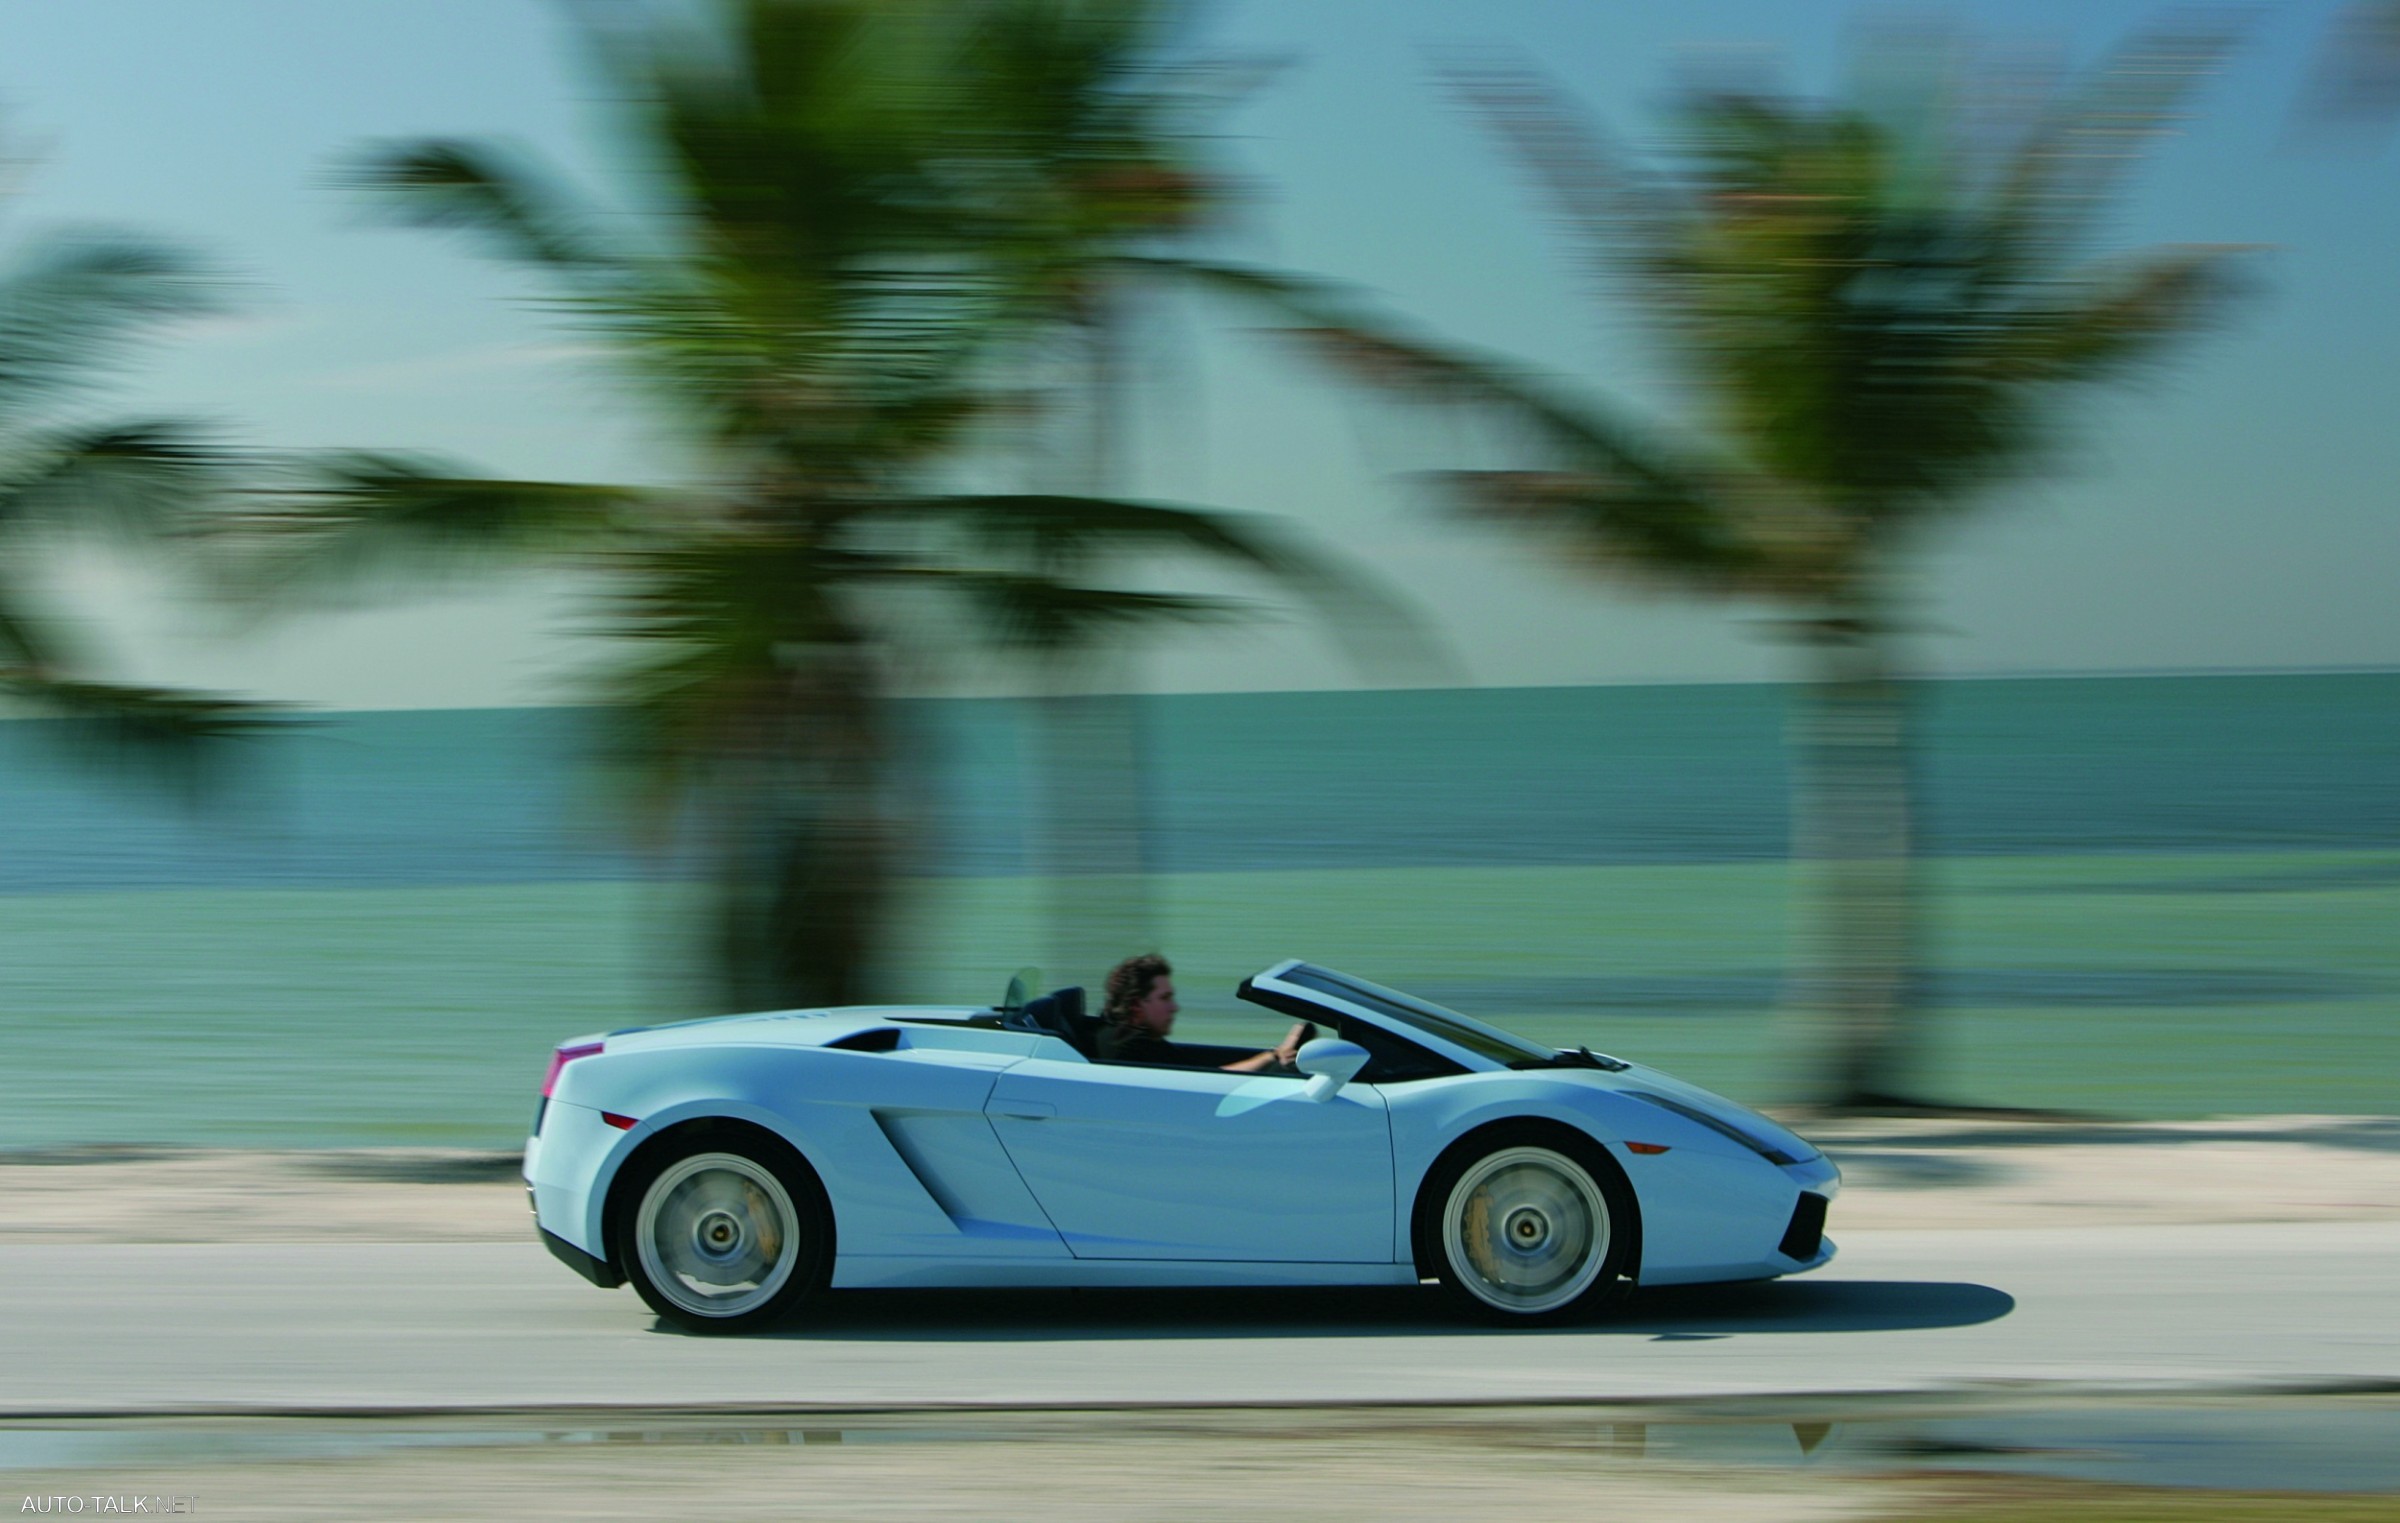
<point x="1885" y="307"/>
<point x="777" y="280"/>
<point x="71" y="306"/>
<point x="824" y="283"/>
<point x="1090" y="115"/>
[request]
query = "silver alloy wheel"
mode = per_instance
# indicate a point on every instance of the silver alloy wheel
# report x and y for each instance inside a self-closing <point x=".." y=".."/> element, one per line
<point x="717" y="1234"/>
<point x="1525" y="1230"/>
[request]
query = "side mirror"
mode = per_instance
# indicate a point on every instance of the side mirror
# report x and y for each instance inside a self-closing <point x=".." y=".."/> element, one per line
<point x="1330" y="1064"/>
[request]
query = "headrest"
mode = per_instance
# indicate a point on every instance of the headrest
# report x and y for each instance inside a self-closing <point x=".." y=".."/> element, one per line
<point x="1060" y="1013"/>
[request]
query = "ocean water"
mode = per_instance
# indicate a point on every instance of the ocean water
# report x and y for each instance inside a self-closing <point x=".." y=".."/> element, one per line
<point x="1277" y="781"/>
<point x="2156" y="895"/>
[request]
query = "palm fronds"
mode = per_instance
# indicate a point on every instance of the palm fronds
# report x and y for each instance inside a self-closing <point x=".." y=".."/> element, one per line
<point x="72" y="307"/>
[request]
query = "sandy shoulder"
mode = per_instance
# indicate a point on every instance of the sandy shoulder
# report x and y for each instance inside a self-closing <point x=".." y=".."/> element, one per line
<point x="209" y="1195"/>
<point x="1943" y="1174"/>
<point x="1897" y="1174"/>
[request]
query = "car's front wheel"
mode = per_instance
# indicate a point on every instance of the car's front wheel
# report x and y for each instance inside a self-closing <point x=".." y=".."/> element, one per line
<point x="726" y="1236"/>
<point x="1529" y="1227"/>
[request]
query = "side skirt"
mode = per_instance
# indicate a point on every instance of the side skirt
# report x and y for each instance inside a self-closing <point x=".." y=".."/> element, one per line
<point x="860" y="1272"/>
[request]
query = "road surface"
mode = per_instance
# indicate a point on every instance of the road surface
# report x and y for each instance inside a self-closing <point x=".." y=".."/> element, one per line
<point x="161" y="1328"/>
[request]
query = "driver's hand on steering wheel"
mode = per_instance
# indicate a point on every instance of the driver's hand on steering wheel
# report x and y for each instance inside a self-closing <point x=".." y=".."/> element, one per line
<point x="1288" y="1054"/>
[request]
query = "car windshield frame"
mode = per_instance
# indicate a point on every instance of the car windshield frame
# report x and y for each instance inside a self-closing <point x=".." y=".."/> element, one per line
<point x="1477" y="1044"/>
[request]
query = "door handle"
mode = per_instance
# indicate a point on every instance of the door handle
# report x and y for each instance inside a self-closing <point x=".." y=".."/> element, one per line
<point x="1022" y="1110"/>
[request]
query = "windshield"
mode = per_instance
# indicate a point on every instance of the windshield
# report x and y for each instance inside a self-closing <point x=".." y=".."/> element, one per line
<point x="1463" y="1031"/>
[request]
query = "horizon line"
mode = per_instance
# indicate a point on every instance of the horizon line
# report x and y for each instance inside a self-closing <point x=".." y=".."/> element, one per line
<point x="2085" y="674"/>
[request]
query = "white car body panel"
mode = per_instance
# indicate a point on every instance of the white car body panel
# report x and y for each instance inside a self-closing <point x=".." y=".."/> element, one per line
<point x="1194" y="1164"/>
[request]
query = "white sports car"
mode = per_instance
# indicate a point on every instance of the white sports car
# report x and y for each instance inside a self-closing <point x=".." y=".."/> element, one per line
<point x="738" y="1167"/>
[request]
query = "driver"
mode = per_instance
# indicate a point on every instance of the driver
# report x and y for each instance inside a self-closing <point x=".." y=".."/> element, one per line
<point x="1141" y="1009"/>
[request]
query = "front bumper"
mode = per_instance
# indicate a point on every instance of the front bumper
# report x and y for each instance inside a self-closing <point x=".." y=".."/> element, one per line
<point x="1718" y="1218"/>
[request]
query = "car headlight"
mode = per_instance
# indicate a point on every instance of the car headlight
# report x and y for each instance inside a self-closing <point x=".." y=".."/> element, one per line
<point x="1715" y="1123"/>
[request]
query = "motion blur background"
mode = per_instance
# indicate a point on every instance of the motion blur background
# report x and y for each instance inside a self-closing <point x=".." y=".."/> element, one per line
<point x="2141" y="699"/>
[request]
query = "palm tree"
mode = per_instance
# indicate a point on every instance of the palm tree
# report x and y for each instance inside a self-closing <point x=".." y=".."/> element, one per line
<point x="1885" y="307"/>
<point x="818" y="284"/>
<point x="1093" y="113"/>
<point x="782" y="284"/>
<point x="70" y="308"/>
<point x="1085" y="99"/>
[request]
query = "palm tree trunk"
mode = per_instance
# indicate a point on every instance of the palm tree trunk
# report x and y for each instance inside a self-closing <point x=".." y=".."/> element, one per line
<point x="1092" y="758"/>
<point x="1089" y="741"/>
<point x="800" y="907"/>
<point x="803" y="842"/>
<point x="1854" y="831"/>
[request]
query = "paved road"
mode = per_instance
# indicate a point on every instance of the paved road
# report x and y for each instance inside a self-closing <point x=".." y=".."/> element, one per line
<point x="353" y="1326"/>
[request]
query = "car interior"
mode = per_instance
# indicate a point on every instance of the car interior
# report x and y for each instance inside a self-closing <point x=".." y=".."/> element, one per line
<point x="1393" y="1059"/>
<point x="1061" y="1014"/>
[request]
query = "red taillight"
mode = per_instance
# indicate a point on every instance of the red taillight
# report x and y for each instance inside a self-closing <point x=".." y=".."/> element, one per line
<point x="1650" y="1148"/>
<point x="621" y="1123"/>
<point x="561" y="1058"/>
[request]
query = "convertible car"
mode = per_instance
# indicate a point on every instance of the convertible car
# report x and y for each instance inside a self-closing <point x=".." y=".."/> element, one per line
<point x="736" y="1168"/>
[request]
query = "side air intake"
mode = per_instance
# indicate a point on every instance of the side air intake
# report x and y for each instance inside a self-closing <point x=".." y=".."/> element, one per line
<point x="1806" y="1234"/>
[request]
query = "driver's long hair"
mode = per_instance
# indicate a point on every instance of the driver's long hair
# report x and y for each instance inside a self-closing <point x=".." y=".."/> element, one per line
<point x="1129" y="984"/>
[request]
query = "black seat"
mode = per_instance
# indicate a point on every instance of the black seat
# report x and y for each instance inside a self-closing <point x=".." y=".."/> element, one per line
<point x="1060" y="1013"/>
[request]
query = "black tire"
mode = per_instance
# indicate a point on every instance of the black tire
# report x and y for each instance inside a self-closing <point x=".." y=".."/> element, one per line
<point x="1526" y="1223"/>
<point x="723" y="1229"/>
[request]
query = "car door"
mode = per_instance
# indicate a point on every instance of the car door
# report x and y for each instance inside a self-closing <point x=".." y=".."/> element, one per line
<point x="1182" y="1163"/>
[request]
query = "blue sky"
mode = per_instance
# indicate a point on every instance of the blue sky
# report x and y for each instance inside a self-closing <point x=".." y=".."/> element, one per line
<point x="2238" y="511"/>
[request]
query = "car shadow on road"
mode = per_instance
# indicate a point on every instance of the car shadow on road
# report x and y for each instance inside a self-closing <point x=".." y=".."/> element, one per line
<point x="1688" y="1313"/>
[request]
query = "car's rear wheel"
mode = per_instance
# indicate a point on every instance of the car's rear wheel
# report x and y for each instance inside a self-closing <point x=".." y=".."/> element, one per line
<point x="725" y="1236"/>
<point x="1529" y="1228"/>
